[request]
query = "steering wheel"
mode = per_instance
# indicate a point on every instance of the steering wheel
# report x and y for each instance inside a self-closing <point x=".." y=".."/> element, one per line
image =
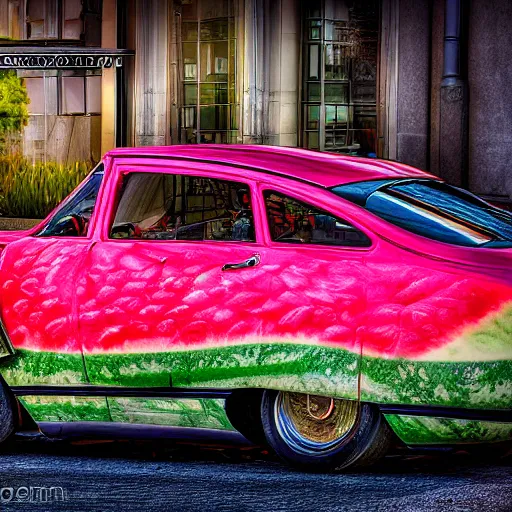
<point x="71" y="225"/>
<point x="124" y="230"/>
<point x="289" y="237"/>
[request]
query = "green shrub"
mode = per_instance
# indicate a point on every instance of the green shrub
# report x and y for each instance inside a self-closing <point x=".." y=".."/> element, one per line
<point x="32" y="191"/>
<point x="13" y="104"/>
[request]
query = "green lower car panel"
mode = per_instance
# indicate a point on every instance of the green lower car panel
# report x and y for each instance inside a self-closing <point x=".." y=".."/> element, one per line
<point x="200" y="413"/>
<point x="313" y="369"/>
<point x="438" y="431"/>
<point x="316" y="370"/>
<point x="43" y="368"/>
<point x="480" y="384"/>
<point x="291" y="367"/>
<point x="66" y="408"/>
<point x="294" y="367"/>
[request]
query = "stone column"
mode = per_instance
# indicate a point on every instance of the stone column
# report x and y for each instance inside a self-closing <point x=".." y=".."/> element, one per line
<point x="404" y="81"/>
<point x="413" y="102"/>
<point x="151" y="73"/>
<point x="108" y="79"/>
<point x="285" y="86"/>
<point x="271" y="72"/>
<point x="255" y="73"/>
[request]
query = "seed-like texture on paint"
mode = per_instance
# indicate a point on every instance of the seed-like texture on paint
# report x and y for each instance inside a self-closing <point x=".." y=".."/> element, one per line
<point x="382" y="325"/>
<point x="424" y="431"/>
<point x="135" y="298"/>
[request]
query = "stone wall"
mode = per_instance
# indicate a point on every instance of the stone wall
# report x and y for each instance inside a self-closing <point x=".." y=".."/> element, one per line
<point x="413" y="102"/>
<point x="490" y="98"/>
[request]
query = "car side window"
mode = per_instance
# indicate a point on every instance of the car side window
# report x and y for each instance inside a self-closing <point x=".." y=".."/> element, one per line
<point x="159" y="206"/>
<point x="294" y="221"/>
<point x="72" y="218"/>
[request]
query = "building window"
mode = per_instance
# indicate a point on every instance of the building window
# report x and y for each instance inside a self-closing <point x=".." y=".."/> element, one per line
<point x="76" y="20"/>
<point x="340" y="75"/>
<point x="63" y="92"/>
<point x="209" y="105"/>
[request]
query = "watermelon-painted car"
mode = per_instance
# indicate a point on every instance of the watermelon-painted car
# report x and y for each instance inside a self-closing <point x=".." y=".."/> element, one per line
<point x="323" y="303"/>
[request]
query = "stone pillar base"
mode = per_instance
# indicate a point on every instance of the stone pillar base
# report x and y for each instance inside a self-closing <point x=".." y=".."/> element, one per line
<point x="453" y="136"/>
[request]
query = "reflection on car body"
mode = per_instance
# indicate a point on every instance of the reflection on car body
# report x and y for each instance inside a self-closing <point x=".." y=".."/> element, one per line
<point x="314" y="302"/>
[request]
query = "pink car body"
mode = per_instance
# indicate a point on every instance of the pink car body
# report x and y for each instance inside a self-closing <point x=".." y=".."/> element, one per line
<point x="420" y="327"/>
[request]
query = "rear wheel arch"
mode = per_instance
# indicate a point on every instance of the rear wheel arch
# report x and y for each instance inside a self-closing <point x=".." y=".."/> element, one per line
<point x="243" y="409"/>
<point x="368" y="440"/>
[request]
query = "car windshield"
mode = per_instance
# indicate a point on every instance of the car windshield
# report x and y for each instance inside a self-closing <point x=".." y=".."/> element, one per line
<point x="433" y="209"/>
<point x="79" y="205"/>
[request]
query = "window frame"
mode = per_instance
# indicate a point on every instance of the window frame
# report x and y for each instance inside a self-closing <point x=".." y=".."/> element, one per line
<point x="59" y="20"/>
<point x="316" y="204"/>
<point x="58" y="91"/>
<point x="315" y="134"/>
<point x="123" y="169"/>
<point x="190" y="113"/>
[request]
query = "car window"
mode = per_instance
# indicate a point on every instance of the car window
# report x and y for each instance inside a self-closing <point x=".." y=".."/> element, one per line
<point x="159" y="206"/>
<point x="435" y="210"/>
<point x="72" y="218"/>
<point x="294" y="221"/>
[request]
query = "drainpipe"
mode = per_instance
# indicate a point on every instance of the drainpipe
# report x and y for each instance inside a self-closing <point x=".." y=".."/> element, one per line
<point x="452" y="23"/>
<point x="453" y="140"/>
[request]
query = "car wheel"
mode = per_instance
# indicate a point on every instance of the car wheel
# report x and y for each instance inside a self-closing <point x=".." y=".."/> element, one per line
<point x="6" y="414"/>
<point x="323" y="434"/>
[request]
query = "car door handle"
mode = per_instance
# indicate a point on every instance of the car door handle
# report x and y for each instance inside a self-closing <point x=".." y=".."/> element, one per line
<point x="251" y="262"/>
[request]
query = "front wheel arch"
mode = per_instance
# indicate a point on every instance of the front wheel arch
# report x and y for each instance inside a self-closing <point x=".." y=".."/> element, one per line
<point x="8" y="417"/>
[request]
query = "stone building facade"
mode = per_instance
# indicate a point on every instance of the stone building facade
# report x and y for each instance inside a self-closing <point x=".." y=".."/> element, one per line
<point x="424" y="82"/>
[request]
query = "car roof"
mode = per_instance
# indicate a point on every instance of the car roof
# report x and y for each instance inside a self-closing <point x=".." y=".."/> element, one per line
<point x="320" y="168"/>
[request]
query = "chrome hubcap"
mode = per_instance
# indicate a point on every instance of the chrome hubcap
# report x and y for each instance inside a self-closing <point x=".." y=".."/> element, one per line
<point x="313" y="424"/>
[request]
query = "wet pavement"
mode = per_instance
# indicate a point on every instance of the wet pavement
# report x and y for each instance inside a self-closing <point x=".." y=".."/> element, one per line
<point x="127" y="475"/>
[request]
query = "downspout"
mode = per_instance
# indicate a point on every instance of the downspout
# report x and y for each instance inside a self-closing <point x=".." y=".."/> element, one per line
<point x="452" y="25"/>
<point x="454" y="126"/>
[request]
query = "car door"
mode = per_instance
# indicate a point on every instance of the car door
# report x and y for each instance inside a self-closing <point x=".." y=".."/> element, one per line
<point x="173" y="299"/>
<point x="318" y="257"/>
<point x="39" y="276"/>
<point x="156" y="288"/>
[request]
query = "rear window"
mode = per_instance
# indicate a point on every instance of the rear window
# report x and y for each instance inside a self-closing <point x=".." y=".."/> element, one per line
<point x="433" y="209"/>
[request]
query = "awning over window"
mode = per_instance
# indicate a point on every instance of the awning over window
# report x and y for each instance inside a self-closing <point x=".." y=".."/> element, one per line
<point x="47" y="57"/>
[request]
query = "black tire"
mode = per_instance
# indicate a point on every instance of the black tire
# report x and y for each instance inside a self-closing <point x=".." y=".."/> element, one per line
<point x="6" y="414"/>
<point x="363" y="444"/>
